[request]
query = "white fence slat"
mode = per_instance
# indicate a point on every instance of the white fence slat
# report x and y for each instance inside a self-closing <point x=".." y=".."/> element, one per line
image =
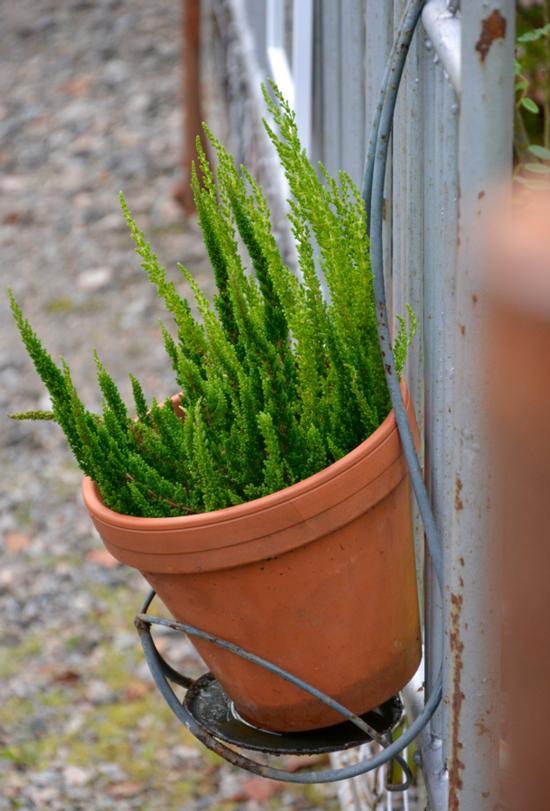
<point x="352" y="94"/>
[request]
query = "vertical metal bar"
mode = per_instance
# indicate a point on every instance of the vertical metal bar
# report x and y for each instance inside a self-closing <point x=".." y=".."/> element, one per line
<point x="408" y="238"/>
<point x="408" y="227"/>
<point x="379" y="28"/>
<point x="191" y="98"/>
<point x="485" y="155"/>
<point x="441" y="150"/>
<point x="352" y="93"/>
<point x="433" y="607"/>
<point x="408" y="199"/>
<point x="275" y="24"/>
<point x="276" y="53"/>
<point x="331" y="63"/>
<point x="240" y="23"/>
<point x="302" y="67"/>
<point x="255" y="11"/>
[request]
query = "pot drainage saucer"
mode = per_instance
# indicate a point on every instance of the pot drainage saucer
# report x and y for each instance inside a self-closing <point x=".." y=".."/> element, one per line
<point x="214" y="711"/>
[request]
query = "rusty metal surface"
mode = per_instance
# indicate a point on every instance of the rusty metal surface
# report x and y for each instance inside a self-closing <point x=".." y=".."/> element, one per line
<point x="191" y="98"/>
<point x="207" y="701"/>
<point x="484" y="159"/>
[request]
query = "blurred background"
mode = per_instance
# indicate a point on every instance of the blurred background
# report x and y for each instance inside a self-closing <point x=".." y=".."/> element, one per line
<point x="90" y="104"/>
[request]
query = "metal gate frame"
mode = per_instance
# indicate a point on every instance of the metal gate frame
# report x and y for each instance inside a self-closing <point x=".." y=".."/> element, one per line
<point x="452" y="144"/>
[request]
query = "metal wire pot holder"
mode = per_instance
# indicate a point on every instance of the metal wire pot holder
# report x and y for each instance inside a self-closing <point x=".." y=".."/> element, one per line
<point x="206" y="710"/>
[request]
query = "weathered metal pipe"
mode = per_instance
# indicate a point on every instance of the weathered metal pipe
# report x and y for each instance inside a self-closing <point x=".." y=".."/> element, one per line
<point x="443" y="29"/>
<point x="484" y="161"/>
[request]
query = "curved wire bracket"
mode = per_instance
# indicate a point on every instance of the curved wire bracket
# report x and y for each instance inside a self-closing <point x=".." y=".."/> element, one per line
<point x="163" y="674"/>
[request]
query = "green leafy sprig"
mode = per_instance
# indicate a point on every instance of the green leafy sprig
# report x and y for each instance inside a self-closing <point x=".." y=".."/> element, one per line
<point x="276" y="380"/>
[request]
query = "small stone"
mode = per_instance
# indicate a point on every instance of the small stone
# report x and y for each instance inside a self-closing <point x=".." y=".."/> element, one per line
<point x="12" y="183"/>
<point x="73" y="725"/>
<point x="97" y="692"/>
<point x="95" y="279"/>
<point x="125" y="640"/>
<point x="136" y="690"/>
<point x="126" y="789"/>
<point x="76" y="776"/>
<point x="116" y="71"/>
<point x="16" y="542"/>
<point x="229" y="785"/>
<point x="45" y="797"/>
<point x="112" y="772"/>
<point x="38" y="726"/>
<point x="139" y="103"/>
<point x="111" y="222"/>
<point x="45" y="778"/>
<point x="185" y="753"/>
<point x="39" y="25"/>
<point x="91" y="215"/>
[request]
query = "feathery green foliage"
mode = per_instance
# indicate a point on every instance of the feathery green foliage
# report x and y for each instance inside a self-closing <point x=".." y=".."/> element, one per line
<point x="277" y="381"/>
<point x="33" y="415"/>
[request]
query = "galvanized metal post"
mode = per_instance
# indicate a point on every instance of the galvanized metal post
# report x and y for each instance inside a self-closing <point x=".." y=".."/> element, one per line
<point x="485" y="155"/>
<point x="440" y="149"/>
<point x="439" y="334"/>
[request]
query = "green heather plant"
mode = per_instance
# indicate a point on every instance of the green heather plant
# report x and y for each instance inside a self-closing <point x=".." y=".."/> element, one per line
<point x="276" y="382"/>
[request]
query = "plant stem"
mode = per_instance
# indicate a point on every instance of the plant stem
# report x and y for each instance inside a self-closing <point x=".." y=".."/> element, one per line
<point x="521" y="137"/>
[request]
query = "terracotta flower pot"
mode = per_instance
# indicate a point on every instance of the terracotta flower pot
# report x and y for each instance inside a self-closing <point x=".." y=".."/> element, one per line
<point x="318" y="578"/>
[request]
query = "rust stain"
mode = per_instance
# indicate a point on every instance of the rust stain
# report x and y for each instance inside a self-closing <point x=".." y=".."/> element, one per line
<point x="474" y="298"/>
<point x="481" y="195"/>
<point x="462" y="329"/>
<point x="492" y="27"/>
<point x="459" y="504"/>
<point x="457" y="649"/>
<point x="482" y="728"/>
<point x="461" y="560"/>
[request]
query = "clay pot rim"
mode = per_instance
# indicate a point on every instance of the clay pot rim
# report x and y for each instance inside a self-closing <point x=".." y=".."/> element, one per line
<point x="101" y="512"/>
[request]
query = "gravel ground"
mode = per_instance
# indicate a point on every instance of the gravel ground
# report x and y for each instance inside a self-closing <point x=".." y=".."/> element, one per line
<point x="88" y="106"/>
